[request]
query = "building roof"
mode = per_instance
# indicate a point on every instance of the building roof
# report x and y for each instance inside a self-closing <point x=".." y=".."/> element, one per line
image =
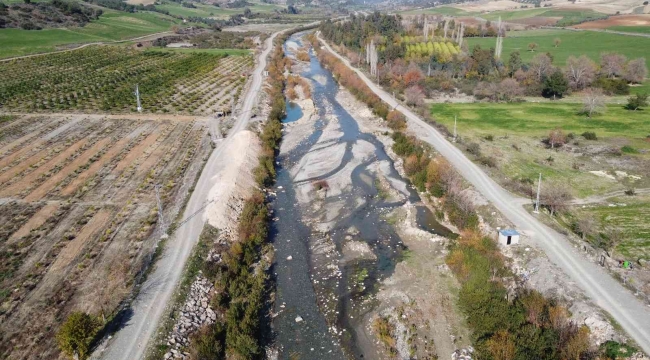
<point x="508" y="232"/>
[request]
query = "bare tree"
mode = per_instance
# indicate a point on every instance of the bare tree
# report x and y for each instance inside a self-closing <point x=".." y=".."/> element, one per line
<point x="556" y="137"/>
<point x="557" y="42"/>
<point x="414" y="95"/>
<point x="580" y="72"/>
<point x="586" y="226"/>
<point x="556" y="197"/>
<point x="612" y="64"/>
<point x="636" y="71"/>
<point x="541" y="66"/>
<point x="593" y="101"/>
<point x="509" y="89"/>
<point x="612" y="237"/>
<point x="487" y="89"/>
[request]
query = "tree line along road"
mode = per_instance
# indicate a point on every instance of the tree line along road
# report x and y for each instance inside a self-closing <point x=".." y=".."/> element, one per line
<point x="632" y="314"/>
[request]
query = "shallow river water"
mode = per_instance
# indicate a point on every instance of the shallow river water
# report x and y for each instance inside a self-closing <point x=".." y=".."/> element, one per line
<point x="322" y="295"/>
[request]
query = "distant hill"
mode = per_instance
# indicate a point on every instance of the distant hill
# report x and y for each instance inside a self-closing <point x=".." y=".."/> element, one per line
<point x="53" y="14"/>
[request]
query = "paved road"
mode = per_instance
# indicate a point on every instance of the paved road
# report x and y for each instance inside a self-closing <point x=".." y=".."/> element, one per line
<point x="147" y="37"/>
<point x="131" y="341"/>
<point x="627" y="310"/>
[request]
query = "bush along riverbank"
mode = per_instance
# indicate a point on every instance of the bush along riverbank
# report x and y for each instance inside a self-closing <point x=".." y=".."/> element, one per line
<point x="508" y="322"/>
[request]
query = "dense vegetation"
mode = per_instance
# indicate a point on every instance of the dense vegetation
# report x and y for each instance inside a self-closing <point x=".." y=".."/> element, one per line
<point x="418" y="65"/>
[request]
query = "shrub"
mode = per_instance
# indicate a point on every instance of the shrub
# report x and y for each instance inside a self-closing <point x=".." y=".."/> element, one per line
<point x="474" y="149"/>
<point x="637" y="102"/>
<point x="77" y="333"/>
<point x="206" y="344"/>
<point x="589" y="135"/>
<point x="612" y="86"/>
<point x="302" y="56"/>
<point x="629" y="150"/>
<point x="488" y="161"/>
<point x="489" y="137"/>
<point x="396" y="120"/>
<point x="614" y="350"/>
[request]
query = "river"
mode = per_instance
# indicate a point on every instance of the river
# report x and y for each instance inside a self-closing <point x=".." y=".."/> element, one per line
<point x="324" y="288"/>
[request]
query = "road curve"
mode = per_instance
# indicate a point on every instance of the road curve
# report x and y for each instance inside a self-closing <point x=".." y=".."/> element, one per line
<point x="632" y="314"/>
<point x="131" y="341"/>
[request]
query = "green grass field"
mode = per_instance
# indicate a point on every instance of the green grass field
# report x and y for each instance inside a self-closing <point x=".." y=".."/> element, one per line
<point x="568" y="17"/>
<point x="442" y="10"/>
<point x="513" y="14"/>
<point x="631" y="218"/>
<point x="575" y="43"/>
<point x="537" y="119"/>
<point x="519" y="128"/>
<point x="231" y="52"/>
<point x="632" y="29"/>
<point x="111" y="26"/>
<point x="211" y="11"/>
<point x="641" y="89"/>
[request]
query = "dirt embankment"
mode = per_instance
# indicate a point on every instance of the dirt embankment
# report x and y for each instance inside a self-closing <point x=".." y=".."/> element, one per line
<point x="234" y="182"/>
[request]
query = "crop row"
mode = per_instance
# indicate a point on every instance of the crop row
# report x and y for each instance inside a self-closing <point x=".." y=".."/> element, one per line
<point x="104" y="78"/>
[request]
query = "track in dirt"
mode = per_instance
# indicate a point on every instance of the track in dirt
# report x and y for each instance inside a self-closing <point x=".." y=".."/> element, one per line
<point x="68" y="243"/>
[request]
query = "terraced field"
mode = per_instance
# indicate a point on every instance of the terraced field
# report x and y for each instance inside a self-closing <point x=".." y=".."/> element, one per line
<point x="78" y="217"/>
<point x="103" y="78"/>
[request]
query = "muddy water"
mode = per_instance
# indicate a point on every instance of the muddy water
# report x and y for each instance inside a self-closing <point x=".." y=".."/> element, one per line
<point x="322" y="295"/>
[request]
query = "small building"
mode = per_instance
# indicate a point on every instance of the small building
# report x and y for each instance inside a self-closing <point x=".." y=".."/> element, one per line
<point x="508" y="237"/>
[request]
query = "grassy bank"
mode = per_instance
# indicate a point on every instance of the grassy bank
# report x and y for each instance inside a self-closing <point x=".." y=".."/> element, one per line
<point x="575" y="43"/>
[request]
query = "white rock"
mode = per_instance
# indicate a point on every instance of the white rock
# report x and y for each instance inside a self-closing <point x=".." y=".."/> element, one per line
<point x="298" y="319"/>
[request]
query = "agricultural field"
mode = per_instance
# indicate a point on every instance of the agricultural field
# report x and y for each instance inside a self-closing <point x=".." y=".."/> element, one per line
<point x="626" y="23"/>
<point x="211" y="11"/>
<point x="78" y="213"/>
<point x="576" y="43"/>
<point x="514" y="134"/>
<point x="111" y="26"/>
<point x="441" y="10"/>
<point x="103" y="78"/>
<point x="560" y="17"/>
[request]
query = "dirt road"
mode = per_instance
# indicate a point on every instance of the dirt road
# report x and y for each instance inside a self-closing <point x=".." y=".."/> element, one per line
<point x="628" y="311"/>
<point x="132" y="340"/>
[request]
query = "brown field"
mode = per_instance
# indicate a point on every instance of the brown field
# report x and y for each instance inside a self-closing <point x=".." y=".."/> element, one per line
<point x="78" y="214"/>
<point x="621" y="20"/>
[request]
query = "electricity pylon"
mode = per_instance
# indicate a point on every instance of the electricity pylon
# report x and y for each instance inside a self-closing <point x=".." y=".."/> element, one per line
<point x="137" y="97"/>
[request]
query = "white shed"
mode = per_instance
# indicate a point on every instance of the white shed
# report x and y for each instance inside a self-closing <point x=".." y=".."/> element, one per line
<point x="508" y="237"/>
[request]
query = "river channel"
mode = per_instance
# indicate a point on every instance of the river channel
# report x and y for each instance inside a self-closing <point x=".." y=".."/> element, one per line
<point x="334" y="242"/>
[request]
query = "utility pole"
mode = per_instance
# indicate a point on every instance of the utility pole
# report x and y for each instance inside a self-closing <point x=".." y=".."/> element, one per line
<point x="539" y="188"/>
<point x="137" y="96"/>
<point x="161" y="217"/>
<point x="455" y="134"/>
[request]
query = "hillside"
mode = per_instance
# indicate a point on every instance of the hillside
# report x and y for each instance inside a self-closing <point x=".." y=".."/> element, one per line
<point x="54" y="14"/>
